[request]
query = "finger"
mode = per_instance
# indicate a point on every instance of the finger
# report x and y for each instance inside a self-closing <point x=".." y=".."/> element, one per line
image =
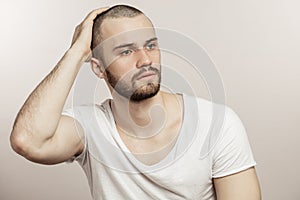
<point x="89" y="19"/>
<point x="92" y="15"/>
<point x="89" y="57"/>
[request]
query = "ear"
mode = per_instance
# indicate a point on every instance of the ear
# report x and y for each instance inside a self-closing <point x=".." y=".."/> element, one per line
<point x="97" y="67"/>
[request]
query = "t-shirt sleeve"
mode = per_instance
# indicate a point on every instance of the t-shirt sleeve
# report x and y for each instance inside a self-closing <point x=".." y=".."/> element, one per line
<point x="75" y="113"/>
<point x="232" y="152"/>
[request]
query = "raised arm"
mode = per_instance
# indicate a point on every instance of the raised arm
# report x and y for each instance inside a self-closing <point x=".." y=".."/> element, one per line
<point x="40" y="133"/>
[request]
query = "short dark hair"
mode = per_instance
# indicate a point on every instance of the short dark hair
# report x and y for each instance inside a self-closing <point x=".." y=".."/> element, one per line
<point x="118" y="11"/>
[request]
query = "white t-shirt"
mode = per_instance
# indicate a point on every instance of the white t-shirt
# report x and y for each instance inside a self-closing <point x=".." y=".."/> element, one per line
<point x="212" y="143"/>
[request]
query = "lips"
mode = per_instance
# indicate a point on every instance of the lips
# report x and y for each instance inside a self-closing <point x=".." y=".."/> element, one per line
<point x="146" y="74"/>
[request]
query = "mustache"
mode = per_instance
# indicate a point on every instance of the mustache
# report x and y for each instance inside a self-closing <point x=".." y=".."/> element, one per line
<point x="144" y="69"/>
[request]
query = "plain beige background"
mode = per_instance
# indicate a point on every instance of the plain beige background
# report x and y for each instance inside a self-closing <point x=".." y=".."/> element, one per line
<point x="254" y="43"/>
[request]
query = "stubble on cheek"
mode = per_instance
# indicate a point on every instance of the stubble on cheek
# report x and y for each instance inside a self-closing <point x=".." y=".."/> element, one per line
<point x="131" y="88"/>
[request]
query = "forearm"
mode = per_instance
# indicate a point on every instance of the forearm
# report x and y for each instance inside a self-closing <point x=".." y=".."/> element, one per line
<point x="38" y="118"/>
<point x="39" y="132"/>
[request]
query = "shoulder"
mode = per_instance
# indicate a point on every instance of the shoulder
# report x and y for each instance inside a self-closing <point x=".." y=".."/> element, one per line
<point x="87" y="112"/>
<point x="211" y="108"/>
<point x="217" y="124"/>
<point x="88" y="108"/>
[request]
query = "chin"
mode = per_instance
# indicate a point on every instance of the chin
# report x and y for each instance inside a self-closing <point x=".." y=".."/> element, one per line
<point x="145" y="92"/>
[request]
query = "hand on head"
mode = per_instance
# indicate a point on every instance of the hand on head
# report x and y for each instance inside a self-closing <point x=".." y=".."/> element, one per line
<point x="82" y="36"/>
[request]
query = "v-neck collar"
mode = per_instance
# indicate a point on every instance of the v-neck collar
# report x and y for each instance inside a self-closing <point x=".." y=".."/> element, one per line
<point x="169" y="158"/>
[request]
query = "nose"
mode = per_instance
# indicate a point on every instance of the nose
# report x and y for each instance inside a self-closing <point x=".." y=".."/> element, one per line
<point x="143" y="59"/>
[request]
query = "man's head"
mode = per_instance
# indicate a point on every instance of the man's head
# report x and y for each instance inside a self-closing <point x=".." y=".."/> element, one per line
<point x="115" y="12"/>
<point x="126" y="53"/>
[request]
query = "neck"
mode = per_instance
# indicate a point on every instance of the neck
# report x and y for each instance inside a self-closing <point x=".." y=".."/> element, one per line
<point x="142" y="119"/>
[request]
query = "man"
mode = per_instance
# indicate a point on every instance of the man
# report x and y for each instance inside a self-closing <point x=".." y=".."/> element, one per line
<point x="132" y="147"/>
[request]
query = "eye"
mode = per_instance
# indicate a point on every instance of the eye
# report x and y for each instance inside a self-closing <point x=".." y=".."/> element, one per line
<point x="126" y="52"/>
<point x="151" y="46"/>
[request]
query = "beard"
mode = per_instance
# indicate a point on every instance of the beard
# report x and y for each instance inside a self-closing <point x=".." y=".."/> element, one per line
<point x="131" y="90"/>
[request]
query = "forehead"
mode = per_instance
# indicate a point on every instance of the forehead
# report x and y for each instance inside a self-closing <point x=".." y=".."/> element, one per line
<point x="126" y="30"/>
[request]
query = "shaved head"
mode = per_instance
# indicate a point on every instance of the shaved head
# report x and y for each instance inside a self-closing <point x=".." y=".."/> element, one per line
<point x="118" y="11"/>
<point x="125" y="48"/>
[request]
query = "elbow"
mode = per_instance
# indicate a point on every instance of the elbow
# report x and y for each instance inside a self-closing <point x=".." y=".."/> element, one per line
<point x="21" y="143"/>
<point x="18" y="142"/>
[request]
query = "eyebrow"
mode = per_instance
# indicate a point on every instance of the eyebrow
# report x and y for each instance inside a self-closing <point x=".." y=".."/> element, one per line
<point x="131" y="44"/>
<point x="152" y="39"/>
<point x="122" y="46"/>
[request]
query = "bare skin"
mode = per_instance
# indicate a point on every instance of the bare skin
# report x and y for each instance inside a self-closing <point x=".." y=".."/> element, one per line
<point x="41" y="134"/>
<point x="158" y="119"/>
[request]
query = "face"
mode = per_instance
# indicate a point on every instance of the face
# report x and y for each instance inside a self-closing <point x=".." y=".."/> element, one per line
<point x="131" y="57"/>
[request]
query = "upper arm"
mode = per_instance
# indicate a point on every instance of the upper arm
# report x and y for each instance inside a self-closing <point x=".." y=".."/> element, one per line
<point x="66" y="142"/>
<point x="230" y="156"/>
<point x="242" y="185"/>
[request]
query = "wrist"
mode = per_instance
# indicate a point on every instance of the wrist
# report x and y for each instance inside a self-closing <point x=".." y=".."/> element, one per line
<point x="79" y="54"/>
